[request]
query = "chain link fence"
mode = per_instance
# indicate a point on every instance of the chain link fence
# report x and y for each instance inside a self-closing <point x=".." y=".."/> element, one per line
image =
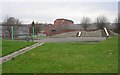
<point x="20" y="32"/>
<point x="14" y="31"/>
<point x="23" y="31"/>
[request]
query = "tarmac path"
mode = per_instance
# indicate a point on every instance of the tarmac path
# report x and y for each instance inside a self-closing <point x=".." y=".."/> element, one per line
<point x="70" y="39"/>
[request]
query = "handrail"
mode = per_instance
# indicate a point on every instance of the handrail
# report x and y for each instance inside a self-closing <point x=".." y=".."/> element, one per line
<point x="106" y="31"/>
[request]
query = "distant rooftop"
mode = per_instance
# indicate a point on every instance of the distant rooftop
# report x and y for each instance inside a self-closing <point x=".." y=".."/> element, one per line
<point x="64" y="19"/>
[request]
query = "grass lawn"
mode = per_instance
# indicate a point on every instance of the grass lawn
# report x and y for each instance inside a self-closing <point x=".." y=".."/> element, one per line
<point x="67" y="58"/>
<point x="9" y="46"/>
<point x="0" y="46"/>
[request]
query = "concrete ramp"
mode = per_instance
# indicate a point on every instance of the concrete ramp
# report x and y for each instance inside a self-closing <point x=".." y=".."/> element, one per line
<point x="67" y="34"/>
<point x="112" y="33"/>
<point x="96" y="33"/>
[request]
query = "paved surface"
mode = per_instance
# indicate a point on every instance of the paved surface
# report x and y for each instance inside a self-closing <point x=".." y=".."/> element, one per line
<point x="70" y="39"/>
<point x="14" y="54"/>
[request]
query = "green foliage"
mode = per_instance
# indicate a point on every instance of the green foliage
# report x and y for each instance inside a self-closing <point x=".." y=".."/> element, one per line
<point x="0" y="46"/>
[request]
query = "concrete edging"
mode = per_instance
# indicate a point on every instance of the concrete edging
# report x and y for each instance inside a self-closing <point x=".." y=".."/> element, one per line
<point x="19" y="52"/>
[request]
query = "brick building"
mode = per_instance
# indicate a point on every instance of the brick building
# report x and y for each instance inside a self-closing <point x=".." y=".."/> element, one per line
<point x="60" y="26"/>
<point x="63" y="21"/>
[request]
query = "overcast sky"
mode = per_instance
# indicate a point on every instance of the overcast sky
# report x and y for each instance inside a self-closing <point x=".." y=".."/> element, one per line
<point x="49" y="11"/>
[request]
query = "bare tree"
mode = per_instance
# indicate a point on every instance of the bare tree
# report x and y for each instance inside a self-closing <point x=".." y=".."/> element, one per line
<point x="117" y="28"/>
<point x="8" y="23"/>
<point x="101" y="22"/>
<point x="116" y="23"/>
<point x="85" y="22"/>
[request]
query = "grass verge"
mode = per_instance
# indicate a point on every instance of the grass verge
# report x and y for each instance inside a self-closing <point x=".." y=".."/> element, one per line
<point x="68" y="58"/>
<point x="10" y="46"/>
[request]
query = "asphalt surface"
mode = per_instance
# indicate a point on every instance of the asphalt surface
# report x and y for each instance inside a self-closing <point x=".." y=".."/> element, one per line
<point x="70" y="39"/>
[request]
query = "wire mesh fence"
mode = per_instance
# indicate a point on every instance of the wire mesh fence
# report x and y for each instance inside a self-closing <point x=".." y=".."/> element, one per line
<point x="20" y="31"/>
<point x="8" y="31"/>
<point x="25" y="31"/>
<point x="14" y="31"/>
